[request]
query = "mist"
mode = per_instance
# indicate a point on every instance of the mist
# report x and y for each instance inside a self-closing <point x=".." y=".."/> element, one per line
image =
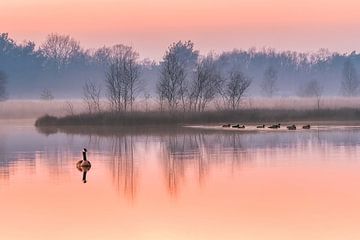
<point x="61" y="66"/>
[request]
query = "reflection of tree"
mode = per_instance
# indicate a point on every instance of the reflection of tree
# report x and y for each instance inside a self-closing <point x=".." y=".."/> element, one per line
<point x="198" y="152"/>
<point x="95" y="141"/>
<point x="178" y="153"/>
<point x="187" y="155"/>
<point x="56" y="161"/>
<point x="124" y="171"/>
<point x="4" y="162"/>
<point x="239" y="156"/>
<point x="9" y="164"/>
<point x="4" y="171"/>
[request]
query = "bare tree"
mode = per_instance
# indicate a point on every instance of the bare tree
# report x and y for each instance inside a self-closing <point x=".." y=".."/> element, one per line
<point x="46" y="95"/>
<point x="313" y="89"/>
<point x="133" y="78"/>
<point x="177" y="62"/>
<point x="3" y="82"/>
<point x="161" y="97"/>
<point x="172" y="75"/>
<point x="69" y="108"/>
<point x="268" y="85"/>
<point x="350" y="82"/>
<point x="61" y="49"/>
<point x="147" y="97"/>
<point x="236" y="88"/>
<point x="92" y="94"/>
<point x="206" y="83"/>
<point x="123" y="78"/>
<point x="102" y="55"/>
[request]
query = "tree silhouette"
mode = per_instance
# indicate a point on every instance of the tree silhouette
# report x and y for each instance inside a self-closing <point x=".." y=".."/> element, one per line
<point x="3" y="82"/>
<point x="350" y="82"/>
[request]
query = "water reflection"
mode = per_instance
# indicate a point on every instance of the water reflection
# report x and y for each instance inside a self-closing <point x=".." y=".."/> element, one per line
<point x="194" y="154"/>
<point x="179" y="184"/>
<point x="84" y="170"/>
<point x="183" y="155"/>
<point x="122" y="164"/>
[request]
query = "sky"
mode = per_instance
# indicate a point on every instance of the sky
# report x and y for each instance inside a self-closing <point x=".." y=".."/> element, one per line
<point x="213" y="25"/>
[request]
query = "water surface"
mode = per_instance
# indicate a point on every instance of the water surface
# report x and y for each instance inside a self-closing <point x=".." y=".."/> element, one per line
<point x="179" y="184"/>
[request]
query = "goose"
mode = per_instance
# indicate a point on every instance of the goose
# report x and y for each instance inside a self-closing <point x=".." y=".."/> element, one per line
<point x="242" y="126"/>
<point x="226" y="125"/>
<point x="306" y="126"/>
<point x="292" y="127"/>
<point x="276" y="126"/>
<point x="235" y="126"/>
<point x="84" y="163"/>
<point x="261" y="126"/>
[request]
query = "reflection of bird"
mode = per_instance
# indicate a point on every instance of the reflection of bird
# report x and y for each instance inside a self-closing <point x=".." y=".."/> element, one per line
<point x="306" y="126"/>
<point x="261" y="126"/>
<point x="83" y="165"/>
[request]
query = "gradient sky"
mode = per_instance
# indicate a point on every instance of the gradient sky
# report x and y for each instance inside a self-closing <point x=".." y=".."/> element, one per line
<point x="150" y="26"/>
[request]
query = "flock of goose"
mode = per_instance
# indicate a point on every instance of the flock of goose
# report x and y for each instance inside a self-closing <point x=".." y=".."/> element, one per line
<point x="275" y="126"/>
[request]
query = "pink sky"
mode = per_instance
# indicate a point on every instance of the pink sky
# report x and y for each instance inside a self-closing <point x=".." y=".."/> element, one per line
<point x="150" y="26"/>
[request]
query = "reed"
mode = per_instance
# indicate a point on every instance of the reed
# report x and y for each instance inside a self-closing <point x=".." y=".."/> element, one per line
<point x="245" y="116"/>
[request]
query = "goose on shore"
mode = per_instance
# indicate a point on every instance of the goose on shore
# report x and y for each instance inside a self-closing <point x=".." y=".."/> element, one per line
<point x="292" y="127"/>
<point x="261" y="126"/>
<point x="238" y="126"/>
<point x="226" y="125"/>
<point x="276" y="126"/>
<point x="306" y="126"/>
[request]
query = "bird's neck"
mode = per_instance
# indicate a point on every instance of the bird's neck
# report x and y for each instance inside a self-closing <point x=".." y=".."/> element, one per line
<point x="84" y="156"/>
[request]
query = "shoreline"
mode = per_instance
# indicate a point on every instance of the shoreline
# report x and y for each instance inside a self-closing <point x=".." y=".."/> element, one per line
<point x="347" y="116"/>
<point x="253" y="128"/>
<point x="186" y="129"/>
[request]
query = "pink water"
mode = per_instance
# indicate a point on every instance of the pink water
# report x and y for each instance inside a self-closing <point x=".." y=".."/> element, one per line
<point x="184" y="185"/>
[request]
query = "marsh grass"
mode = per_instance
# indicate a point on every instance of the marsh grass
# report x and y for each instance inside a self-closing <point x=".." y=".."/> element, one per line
<point x="246" y="116"/>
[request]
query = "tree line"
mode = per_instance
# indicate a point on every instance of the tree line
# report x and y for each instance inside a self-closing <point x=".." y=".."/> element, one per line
<point x="183" y="80"/>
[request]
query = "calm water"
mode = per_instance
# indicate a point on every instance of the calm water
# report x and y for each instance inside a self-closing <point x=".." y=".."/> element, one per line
<point x="179" y="184"/>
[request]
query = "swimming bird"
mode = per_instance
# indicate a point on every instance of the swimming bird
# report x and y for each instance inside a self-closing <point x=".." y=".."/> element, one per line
<point x="261" y="126"/>
<point x="83" y="165"/>
<point x="84" y="162"/>
<point x="226" y="125"/>
<point x="306" y="126"/>
<point x="292" y="127"/>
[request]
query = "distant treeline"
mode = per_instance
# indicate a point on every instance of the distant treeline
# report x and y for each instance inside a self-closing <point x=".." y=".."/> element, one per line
<point x="60" y="67"/>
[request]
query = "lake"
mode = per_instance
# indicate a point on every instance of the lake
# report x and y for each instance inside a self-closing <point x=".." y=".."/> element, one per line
<point x="179" y="183"/>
